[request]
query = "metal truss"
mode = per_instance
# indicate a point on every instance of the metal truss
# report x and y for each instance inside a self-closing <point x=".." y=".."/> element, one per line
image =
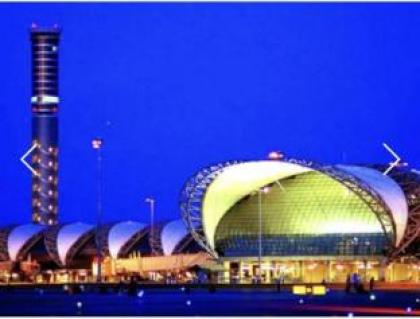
<point x="102" y="238"/>
<point x="366" y="193"/>
<point x="410" y="184"/>
<point x="191" y="201"/>
<point x="155" y="236"/>
<point x="4" y="236"/>
<point x="50" y="241"/>
<point x="370" y="197"/>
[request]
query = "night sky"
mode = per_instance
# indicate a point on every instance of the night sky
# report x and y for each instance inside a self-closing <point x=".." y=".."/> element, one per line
<point x="175" y="87"/>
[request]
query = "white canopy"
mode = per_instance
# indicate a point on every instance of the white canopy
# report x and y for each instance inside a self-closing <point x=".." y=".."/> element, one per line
<point x="19" y="236"/>
<point x="120" y="233"/>
<point x="68" y="235"/>
<point x="172" y="234"/>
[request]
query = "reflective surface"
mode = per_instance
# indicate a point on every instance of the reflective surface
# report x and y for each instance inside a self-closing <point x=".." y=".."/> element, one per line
<point x="201" y="302"/>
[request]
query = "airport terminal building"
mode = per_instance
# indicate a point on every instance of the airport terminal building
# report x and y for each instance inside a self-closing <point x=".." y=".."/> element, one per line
<point x="265" y="220"/>
<point x="305" y="222"/>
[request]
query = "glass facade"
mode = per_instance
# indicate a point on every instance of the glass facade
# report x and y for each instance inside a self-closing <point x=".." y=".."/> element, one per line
<point x="303" y="245"/>
<point x="307" y="214"/>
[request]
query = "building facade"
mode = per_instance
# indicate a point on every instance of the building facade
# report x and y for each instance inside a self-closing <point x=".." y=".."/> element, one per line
<point x="297" y="221"/>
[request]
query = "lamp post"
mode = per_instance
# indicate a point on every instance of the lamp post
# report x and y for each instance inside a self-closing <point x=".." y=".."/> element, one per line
<point x="259" y="234"/>
<point x="97" y="144"/>
<point x="369" y="256"/>
<point x="263" y="190"/>
<point x="151" y="202"/>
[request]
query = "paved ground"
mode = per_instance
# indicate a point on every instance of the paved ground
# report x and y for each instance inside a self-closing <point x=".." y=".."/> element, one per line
<point x="201" y="302"/>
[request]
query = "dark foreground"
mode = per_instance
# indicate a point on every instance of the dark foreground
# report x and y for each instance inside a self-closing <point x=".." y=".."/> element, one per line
<point x="222" y="302"/>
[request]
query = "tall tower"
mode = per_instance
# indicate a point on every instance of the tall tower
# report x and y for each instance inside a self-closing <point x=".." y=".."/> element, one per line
<point x="44" y="103"/>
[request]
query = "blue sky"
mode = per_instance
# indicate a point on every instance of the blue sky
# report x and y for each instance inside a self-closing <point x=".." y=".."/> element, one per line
<point x="175" y="87"/>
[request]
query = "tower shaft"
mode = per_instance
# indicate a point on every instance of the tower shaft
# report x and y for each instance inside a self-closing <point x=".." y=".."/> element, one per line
<point x="44" y="103"/>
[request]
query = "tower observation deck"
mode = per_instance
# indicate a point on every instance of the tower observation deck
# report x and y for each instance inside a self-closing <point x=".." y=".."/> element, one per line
<point x="44" y="102"/>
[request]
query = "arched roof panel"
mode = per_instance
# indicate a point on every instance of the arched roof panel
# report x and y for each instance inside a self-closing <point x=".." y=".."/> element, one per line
<point x="68" y="235"/>
<point x="19" y="236"/>
<point x="120" y="234"/>
<point x="172" y="234"/>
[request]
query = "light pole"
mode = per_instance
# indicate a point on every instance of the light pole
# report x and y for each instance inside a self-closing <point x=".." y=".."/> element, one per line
<point x="97" y="144"/>
<point x="259" y="234"/>
<point x="151" y="202"/>
<point x="262" y="190"/>
<point x="367" y="253"/>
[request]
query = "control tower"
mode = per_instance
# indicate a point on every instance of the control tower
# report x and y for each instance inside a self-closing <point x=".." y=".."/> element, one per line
<point x="44" y="103"/>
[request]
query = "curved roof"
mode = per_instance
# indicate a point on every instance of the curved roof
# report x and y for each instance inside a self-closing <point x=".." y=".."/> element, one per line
<point x="308" y="204"/>
<point x="390" y="192"/>
<point x="120" y="234"/>
<point x="172" y="234"/>
<point x="235" y="182"/>
<point x="19" y="236"/>
<point x="68" y="235"/>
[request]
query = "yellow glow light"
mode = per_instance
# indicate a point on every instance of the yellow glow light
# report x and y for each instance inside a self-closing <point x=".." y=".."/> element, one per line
<point x="312" y="266"/>
<point x="319" y="290"/>
<point x="299" y="290"/>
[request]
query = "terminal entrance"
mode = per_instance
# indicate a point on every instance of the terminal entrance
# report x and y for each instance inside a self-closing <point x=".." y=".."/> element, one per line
<point x="312" y="271"/>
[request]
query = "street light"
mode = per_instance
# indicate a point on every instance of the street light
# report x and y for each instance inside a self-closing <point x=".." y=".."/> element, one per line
<point x="368" y="256"/>
<point x="262" y="190"/>
<point x="151" y="202"/>
<point x="97" y="144"/>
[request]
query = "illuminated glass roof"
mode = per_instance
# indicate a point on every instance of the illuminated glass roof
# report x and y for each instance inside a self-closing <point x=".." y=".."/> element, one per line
<point x="311" y="203"/>
<point x="237" y="181"/>
<point x="310" y="208"/>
